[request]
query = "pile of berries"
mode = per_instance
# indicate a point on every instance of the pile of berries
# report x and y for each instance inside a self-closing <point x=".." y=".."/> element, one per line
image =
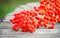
<point x="45" y="15"/>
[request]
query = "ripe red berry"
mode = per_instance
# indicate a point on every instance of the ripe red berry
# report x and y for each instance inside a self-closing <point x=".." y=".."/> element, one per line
<point x="58" y="19"/>
<point x="15" y="28"/>
<point x="25" y="29"/>
<point x="31" y="30"/>
<point x="51" y="27"/>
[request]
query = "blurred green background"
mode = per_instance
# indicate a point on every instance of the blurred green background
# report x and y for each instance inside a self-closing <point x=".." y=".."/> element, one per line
<point x="7" y="6"/>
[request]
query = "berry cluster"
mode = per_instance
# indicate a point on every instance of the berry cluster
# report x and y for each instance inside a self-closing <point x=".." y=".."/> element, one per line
<point x="45" y="15"/>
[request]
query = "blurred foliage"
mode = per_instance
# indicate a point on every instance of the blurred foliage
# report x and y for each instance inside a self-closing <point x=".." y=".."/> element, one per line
<point x="7" y="6"/>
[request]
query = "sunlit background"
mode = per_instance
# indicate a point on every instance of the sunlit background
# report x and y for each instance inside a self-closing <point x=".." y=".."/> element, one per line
<point x="6" y="6"/>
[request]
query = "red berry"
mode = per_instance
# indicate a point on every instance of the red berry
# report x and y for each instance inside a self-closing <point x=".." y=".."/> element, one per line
<point x="51" y="27"/>
<point x="15" y="28"/>
<point x="31" y="30"/>
<point x="58" y="19"/>
<point x="25" y="29"/>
